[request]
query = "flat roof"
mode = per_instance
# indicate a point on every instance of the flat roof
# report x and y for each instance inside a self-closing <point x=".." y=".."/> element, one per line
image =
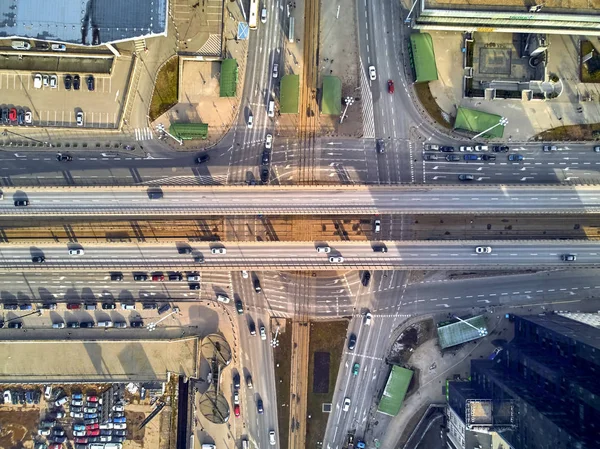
<point x="461" y="332"/>
<point x="520" y="6"/>
<point x="395" y="391"/>
<point x="423" y="57"/>
<point x="96" y="361"/>
<point x="82" y="22"/>
<point x="479" y="121"/>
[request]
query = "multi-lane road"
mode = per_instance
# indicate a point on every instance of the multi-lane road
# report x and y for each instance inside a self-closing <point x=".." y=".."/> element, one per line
<point x="304" y="256"/>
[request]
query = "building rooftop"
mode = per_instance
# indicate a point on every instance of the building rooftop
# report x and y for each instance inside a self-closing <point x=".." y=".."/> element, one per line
<point x="83" y="22"/>
<point x="564" y="6"/>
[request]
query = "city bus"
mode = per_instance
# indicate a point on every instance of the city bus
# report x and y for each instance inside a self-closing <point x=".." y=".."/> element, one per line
<point x="253" y="14"/>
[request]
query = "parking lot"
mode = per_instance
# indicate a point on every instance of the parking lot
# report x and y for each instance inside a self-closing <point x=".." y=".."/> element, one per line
<point x="56" y="100"/>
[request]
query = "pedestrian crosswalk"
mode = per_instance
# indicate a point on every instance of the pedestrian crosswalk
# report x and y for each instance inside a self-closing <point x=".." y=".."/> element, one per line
<point x="140" y="45"/>
<point x="191" y="180"/>
<point x="144" y="134"/>
<point x="367" y="105"/>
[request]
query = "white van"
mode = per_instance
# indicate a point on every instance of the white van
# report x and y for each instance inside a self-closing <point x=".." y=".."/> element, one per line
<point x="107" y="323"/>
<point x="58" y="47"/>
<point x="271" y="110"/>
<point x="20" y="45"/>
<point x="209" y="446"/>
<point x="127" y="306"/>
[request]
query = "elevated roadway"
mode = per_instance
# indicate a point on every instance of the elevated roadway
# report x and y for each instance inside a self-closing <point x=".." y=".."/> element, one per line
<point x="359" y="200"/>
<point x="412" y="255"/>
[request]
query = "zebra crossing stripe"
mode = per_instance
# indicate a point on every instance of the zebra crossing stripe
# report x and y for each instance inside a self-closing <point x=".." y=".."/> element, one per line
<point x="367" y="105"/>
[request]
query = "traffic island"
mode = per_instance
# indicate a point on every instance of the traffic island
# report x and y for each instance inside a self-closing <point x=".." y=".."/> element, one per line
<point x="282" y="355"/>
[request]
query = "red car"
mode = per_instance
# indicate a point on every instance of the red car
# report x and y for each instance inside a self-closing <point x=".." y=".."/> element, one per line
<point x="73" y="306"/>
<point x="236" y="409"/>
<point x="12" y="115"/>
<point x="92" y="398"/>
<point x="81" y="440"/>
<point x="93" y="433"/>
<point x="158" y="277"/>
<point x="55" y="446"/>
<point x="390" y="86"/>
<point x="92" y="427"/>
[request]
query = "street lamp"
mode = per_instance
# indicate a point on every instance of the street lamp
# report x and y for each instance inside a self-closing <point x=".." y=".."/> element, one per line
<point x="348" y="101"/>
<point x="503" y="121"/>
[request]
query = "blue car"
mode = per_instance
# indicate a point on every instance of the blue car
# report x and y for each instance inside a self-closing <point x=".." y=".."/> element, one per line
<point x="515" y="157"/>
<point x="25" y="306"/>
<point x="77" y="396"/>
<point x="471" y="157"/>
<point x="121" y="419"/>
<point x="78" y="427"/>
<point x="90" y="416"/>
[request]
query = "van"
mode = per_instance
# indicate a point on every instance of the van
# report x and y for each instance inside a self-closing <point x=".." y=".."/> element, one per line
<point x="107" y="323"/>
<point x="209" y="446"/>
<point x="127" y="306"/>
<point x="271" y="109"/>
<point x="20" y="45"/>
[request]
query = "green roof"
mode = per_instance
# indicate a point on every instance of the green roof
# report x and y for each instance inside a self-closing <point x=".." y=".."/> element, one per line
<point x="461" y="332"/>
<point x="189" y="131"/>
<point x="395" y="391"/>
<point x="479" y="121"/>
<point x="332" y="95"/>
<point x="229" y="77"/>
<point x="290" y="94"/>
<point x="422" y="57"/>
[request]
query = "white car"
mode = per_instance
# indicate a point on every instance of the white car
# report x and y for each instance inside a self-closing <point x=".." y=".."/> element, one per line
<point x="76" y="403"/>
<point x="47" y="392"/>
<point x="336" y="259"/>
<point x="275" y="70"/>
<point x="323" y="249"/>
<point x="263" y="333"/>
<point x="250" y="121"/>
<point x="236" y="397"/>
<point x="45" y="80"/>
<point x="120" y="426"/>
<point x="76" y="252"/>
<point x="269" y="141"/>
<point x="263" y="15"/>
<point x="28" y="117"/>
<point x="483" y="249"/>
<point x="79" y="433"/>
<point x="37" y="81"/>
<point x="46" y="432"/>
<point x="347" y="403"/>
<point x="368" y="318"/>
<point x="244" y="274"/>
<point x="272" y="437"/>
<point x="76" y="415"/>
<point x="53" y="81"/>
<point x="481" y="148"/>
<point x="465" y="148"/>
<point x="79" y="118"/>
<point x="58" y="47"/>
<point x="193" y="277"/>
<point x="372" y="73"/>
<point x="218" y="250"/>
<point x="7" y="397"/>
<point x="224" y="299"/>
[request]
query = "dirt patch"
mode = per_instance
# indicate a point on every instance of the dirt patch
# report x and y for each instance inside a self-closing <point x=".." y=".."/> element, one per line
<point x="428" y="102"/>
<point x="134" y="419"/>
<point x="283" y="364"/>
<point x="327" y="337"/>
<point x="166" y="89"/>
<point x="410" y="339"/>
<point x="321" y="372"/>
<point x="17" y="426"/>
<point x="589" y="131"/>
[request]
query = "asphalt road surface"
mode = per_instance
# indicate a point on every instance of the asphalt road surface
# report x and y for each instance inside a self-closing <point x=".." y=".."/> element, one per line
<point x="134" y="202"/>
<point x="303" y="256"/>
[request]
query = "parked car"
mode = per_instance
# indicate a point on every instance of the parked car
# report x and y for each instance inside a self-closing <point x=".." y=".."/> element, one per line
<point x="76" y="82"/>
<point x="90" y="82"/>
<point x="68" y="82"/>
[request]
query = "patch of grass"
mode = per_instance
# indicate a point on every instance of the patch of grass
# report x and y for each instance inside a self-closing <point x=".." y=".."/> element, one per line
<point x="586" y="76"/>
<point x="282" y="355"/>
<point x="324" y="337"/>
<point x="590" y="131"/>
<point x="424" y="94"/>
<point x="166" y="89"/>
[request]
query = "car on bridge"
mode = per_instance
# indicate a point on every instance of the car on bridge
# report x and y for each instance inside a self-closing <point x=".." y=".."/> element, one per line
<point x="390" y="86"/>
<point x="336" y="259"/>
<point x="483" y="249"/>
<point x="324" y="249"/>
<point x="515" y="157"/>
<point x="466" y="177"/>
<point x="569" y="257"/>
<point x="372" y="73"/>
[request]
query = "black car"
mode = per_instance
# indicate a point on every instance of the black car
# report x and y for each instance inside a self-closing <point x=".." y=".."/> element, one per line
<point x="155" y="194"/>
<point x="466" y="177"/>
<point x="488" y="157"/>
<point x="90" y="83"/>
<point x="148" y="305"/>
<point x="63" y="157"/>
<point x="380" y="146"/>
<point x="175" y="277"/>
<point x="259" y="406"/>
<point x="109" y="305"/>
<point x="264" y="175"/>
<point x="116" y="277"/>
<point x="140" y="277"/>
<point x="21" y="203"/>
<point x="453" y="158"/>
<point x="184" y="250"/>
<point x="366" y="278"/>
<point x="257" y="287"/>
<point x="351" y="342"/>
<point x="162" y="309"/>
<point x="202" y="159"/>
<point x="500" y="149"/>
<point x="266" y="157"/>
<point x="195" y="286"/>
<point x="73" y="324"/>
<point x="21" y="117"/>
<point x="76" y="82"/>
<point x="68" y="82"/>
<point x="11" y="306"/>
<point x="41" y="46"/>
<point x="136" y="324"/>
<point x="87" y="324"/>
<point x="252" y="328"/>
<point x="38" y="259"/>
<point x="120" y="433"/>
<point x="568" y="257"/>
<point x="15" y="325"/>
<point x="5" y="118"/>
<point x="236" y="380"/>
<point x="239" y="306"/>
<point x="446" y="149"/>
